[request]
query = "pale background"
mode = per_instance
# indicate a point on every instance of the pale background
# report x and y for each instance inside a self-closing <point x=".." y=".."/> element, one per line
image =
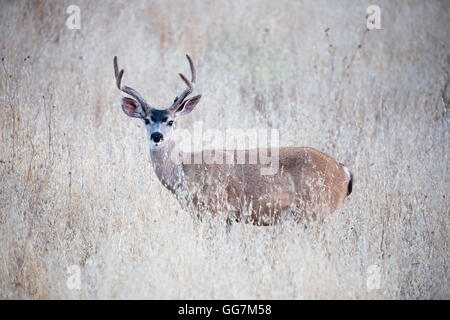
<point x="77" y="188"/>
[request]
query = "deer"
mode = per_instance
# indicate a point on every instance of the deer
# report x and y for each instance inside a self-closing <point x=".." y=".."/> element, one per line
<point x="308" y="183"/>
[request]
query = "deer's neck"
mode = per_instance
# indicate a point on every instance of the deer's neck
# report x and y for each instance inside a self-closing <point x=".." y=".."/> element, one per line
<point x="167" y="164"/>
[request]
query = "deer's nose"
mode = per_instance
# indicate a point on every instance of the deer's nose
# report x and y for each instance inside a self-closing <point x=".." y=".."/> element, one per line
<point x="156" y="136"/>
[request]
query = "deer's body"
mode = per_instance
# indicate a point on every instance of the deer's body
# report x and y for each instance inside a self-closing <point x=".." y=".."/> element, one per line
<point x="306" y="179"/>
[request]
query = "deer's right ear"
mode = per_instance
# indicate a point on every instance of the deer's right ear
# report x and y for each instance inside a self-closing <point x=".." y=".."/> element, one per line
<point x="132" y="108"/>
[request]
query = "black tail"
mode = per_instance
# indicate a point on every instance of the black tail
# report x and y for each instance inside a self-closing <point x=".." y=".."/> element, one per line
<point x="350" y="184"/>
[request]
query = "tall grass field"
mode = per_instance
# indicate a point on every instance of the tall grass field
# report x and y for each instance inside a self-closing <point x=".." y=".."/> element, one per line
<point x="84" y="216"/>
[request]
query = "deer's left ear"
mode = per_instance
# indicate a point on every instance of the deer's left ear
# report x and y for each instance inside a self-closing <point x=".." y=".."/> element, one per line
<point x="188" y="105"/>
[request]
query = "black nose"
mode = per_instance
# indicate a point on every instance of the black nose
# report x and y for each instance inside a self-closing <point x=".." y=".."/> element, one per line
<point x="156" y="136"/>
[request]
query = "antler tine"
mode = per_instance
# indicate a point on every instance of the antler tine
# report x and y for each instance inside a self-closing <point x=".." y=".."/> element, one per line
<point x="191" y="85"/>
<point x="191" y="65"/>
<point x="119" y="74"/>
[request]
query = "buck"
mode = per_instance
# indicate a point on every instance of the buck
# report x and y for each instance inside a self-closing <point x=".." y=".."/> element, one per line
<point x="308" y="181"/>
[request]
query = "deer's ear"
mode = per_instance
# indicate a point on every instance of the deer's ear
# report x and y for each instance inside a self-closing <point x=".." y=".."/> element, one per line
<point x="188" y="105"/>
<point x="132" y="108"/>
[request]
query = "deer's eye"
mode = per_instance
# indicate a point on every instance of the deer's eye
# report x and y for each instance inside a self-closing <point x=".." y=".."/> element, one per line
<point x="170" y="123"/>
<point x="146" y="121"/>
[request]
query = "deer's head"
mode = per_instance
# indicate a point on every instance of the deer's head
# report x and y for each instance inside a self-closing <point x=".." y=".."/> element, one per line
<point x="158" y="122"/>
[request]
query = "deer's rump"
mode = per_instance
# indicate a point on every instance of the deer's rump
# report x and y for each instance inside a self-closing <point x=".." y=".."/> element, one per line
<point x="307" y="180"/>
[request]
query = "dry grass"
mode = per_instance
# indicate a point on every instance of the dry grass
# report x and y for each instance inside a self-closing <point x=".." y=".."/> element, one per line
<point x="76" y="185"/>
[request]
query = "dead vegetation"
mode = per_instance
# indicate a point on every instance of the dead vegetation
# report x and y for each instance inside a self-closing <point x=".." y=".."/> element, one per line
<point x="73" y="166"/>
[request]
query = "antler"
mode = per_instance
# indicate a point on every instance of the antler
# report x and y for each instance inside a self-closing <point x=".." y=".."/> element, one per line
<point x="119" y="74"/>
<point x="179" y="100"/>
